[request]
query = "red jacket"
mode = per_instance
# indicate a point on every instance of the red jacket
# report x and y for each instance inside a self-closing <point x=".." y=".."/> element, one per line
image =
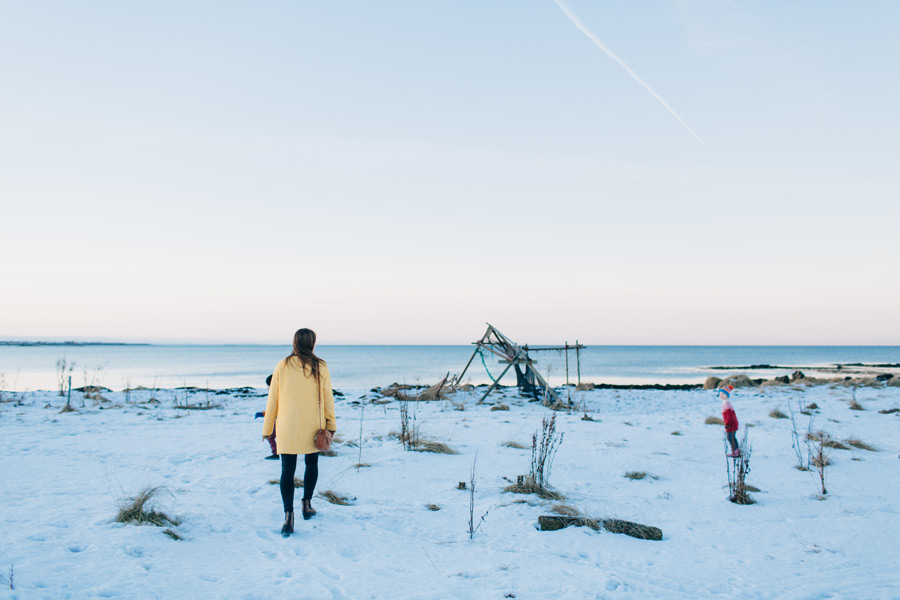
<point x="731" y="422"/>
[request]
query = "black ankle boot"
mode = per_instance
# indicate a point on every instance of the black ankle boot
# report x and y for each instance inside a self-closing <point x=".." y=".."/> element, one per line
<point x="288" y="528"/>
<point x="308" y="510"/>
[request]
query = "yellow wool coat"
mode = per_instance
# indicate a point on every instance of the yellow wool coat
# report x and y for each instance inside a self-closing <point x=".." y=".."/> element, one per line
<point x="298" y="408"/>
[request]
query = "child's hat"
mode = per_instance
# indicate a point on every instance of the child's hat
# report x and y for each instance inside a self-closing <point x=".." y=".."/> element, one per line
<point x="726" y="389"/>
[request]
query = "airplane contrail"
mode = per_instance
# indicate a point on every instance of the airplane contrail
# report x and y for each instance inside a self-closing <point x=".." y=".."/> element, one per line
<point x="572" y="17"/>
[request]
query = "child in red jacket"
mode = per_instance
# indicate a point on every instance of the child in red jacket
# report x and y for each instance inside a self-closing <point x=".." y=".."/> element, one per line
<point x="731" y="422"/>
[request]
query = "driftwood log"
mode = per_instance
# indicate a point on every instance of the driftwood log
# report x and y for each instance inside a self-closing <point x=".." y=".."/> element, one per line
<point x="635" y="530"/>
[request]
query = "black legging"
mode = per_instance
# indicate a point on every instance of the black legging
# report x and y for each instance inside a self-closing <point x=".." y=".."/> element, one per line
<point x="288" y="468"/>
<point x="732" y="439"/>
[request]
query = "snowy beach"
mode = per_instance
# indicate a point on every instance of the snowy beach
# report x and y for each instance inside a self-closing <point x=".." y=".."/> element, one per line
<point x="405" y="534"/>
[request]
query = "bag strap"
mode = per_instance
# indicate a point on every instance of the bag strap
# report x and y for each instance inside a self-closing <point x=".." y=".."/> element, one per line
<point x="319" y="388"/>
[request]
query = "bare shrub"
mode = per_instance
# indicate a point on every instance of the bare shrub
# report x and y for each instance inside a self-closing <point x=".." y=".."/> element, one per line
<point x="64" y="370"/>
<point x="473" y="528"/>
<point x="409" y="433"/>
<point x="362" y="412"/>
<point x="819" y="449"/>
<point x="543" y="451"/>
<point x="92" y="379"/>
<point x="738" y="468"/>
<point x="800" y="450"/>
<point x="141" y="508"/>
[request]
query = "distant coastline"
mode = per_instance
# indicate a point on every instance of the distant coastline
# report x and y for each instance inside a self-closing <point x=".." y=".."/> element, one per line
<point x="26" y="343"/>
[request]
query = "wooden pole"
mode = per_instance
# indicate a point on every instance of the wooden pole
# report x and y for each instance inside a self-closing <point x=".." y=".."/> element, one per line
<point x="578" y="359"/>
<point x="471" y="358"/>
<point x="567" y="363"/>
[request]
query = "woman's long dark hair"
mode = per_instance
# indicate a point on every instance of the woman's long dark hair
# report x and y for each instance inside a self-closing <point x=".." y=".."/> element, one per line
<point x="304" y="342"/>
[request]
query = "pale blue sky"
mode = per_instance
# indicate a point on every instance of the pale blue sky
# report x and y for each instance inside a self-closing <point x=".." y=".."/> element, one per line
<point x="400" y="172"/>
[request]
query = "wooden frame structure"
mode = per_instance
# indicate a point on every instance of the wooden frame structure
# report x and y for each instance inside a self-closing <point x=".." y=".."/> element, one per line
<point x="528" y="380"/>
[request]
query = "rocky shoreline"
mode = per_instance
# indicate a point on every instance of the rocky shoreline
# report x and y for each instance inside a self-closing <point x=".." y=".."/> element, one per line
<point x="799" y="378"/>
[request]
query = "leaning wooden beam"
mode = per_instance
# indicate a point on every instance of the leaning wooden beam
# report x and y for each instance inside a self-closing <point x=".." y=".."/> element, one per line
<point x="494" y="384"/>
<point x="503" y="355"/>
<point x="471" y="358"/>
<point x="546" y="385"/>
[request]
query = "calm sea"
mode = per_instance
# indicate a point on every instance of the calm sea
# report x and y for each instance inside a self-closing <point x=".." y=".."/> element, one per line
<point x="34" y="367"/>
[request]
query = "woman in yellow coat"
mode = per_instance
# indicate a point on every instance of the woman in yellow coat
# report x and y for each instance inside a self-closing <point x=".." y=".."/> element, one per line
<point x="300" y="403"/>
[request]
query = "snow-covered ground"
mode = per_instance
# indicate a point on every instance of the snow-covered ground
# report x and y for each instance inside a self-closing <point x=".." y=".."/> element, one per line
<point x="62" y="475"/>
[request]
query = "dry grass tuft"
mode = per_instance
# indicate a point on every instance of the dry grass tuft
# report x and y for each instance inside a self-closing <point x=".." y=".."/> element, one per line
<point x="173" y="534"/>
<point x="433" y="507"/>
<point x="328" y="452"/>
<point x="298" y="483"/>
<point x="436" y="447"/>
<point x="889" y="411"/>
<point x="827" y="442"/>
<point x="861" y="445"/>
<point x="497" y="407"/>
<point x="67" y="408"/>
<point x="676" y="432"/>
<point x="516" y="445"/>
<point x="139" y="509"/>
<point x="336" y="498"/>
<point x="854" y="405"/>
<point x="636" y="475"/>
<point x="530" y="487"/>
<point x="812" y="406"/>
<point x="777" y="414"/>
<point x="714" y="421"/>
<point x="361" y="465"/>
<point x="565" y="510"/>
